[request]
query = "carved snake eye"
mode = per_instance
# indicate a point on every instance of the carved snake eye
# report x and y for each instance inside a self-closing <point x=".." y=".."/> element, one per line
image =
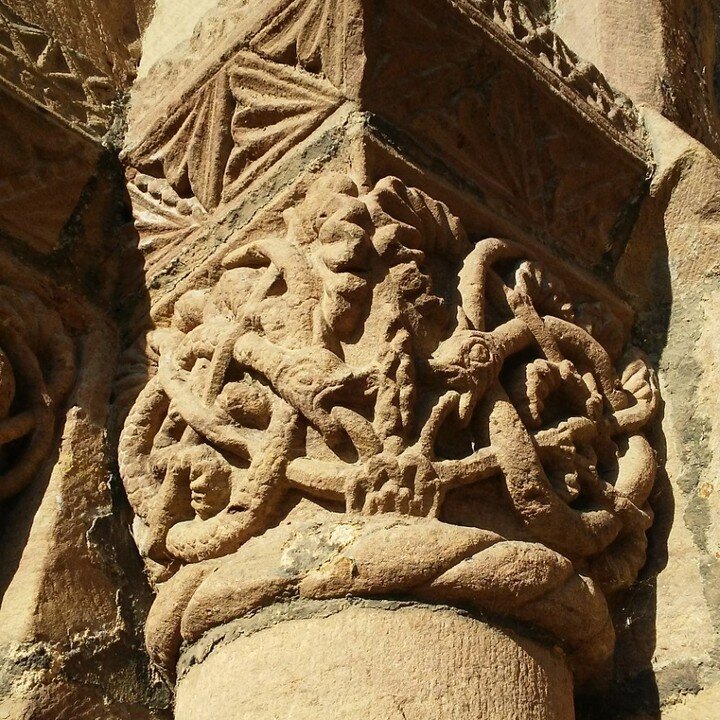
<point x="479" y="354"/>
<point x="320" y="219"/>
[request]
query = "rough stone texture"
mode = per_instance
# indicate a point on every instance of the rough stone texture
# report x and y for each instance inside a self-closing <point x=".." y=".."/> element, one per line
<point x="106" y="32"/>
<point x="66" y="83"/>
<point x="180" y="15"/>
<point x="681" y="225"/>
<point x="670" y="270"/>
<point x="333" y="321"/>
<point x="356" y="308"/>
<point x="374" y="662"/>
<point x="662" y="53"/>
<point x="66" y="615"/>
<point x="72" y="593"/>
<point x="46" y="165"/>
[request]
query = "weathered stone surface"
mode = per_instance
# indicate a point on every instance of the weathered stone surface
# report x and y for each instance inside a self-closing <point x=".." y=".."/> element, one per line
<point x="669" y="271"/>
<point x="663" y="53"/>
<point x="504" y="115"/>
<point x="374" y="661"/>
<point x="173" y="23"/>
<point x="106" y="32"/>
<point x="676" y="238"/>
<point x="373" y="359"/>
<point x="222" y="180"/>
<point x="65" y="607"/>
<point x="380" y="299"/>
<point x="44" y="168"/>
<point x="34" y="66"/>
<point x="37" y="371"/>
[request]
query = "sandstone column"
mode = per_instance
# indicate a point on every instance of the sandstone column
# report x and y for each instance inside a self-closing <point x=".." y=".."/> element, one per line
<point x="385" y="435"/>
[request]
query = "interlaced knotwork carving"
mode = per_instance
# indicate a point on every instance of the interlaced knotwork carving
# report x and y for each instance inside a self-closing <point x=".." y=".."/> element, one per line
<point x="37" y="369"/>
<point x="375" y="359"/>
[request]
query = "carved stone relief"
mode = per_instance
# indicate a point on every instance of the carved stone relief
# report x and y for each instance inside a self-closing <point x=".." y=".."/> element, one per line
<point x="241" y="122"/>
<point x="317" y="414"/>
<point x="37" y="371"/>
<point x="539" y="40"/>
<point x="503" y="105"/>
<point x="63" y="81"/>
<point x="44" y="168"/>
<point x="390" y="392"/>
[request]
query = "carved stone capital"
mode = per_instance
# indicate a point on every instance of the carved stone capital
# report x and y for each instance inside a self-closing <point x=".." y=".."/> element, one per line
<point x="375" y="403"/>
<point x="324" y="390"/>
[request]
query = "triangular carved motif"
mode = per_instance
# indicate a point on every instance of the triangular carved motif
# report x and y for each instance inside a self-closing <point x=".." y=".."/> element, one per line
<point x="56" y="77"/>
<point x="459" y="111"/>
<point x="322" y="36"/>
<point x="32" y="43"/>
<point x="542" y="43"/>
<point x="199" y="144"/>
<point x="54" y="61"/>
<point x="239" y="123"/>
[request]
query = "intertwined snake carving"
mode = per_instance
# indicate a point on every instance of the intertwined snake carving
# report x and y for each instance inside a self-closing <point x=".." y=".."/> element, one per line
<point x="374" y="360"/>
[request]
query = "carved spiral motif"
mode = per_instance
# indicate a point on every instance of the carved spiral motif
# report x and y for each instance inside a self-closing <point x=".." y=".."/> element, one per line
<point x="37" y="369"/>
<point x="377" y="361"/>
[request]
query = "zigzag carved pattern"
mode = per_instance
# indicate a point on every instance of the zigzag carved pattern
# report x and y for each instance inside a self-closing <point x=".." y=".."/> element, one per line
<point x="549" y="48"/>
<point x="56" y="77"/>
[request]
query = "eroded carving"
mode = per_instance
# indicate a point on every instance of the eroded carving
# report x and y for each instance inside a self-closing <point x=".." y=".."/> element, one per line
<point x="44" y="167"/>
<point x="505" y="108"/>
<point x="56" y="77"/>
<point x="550" y="49"/>
<point x="234" y="128"/>
<point x="37" y="370"/>
<point x="318" y="35"/>
<point x="317" y="414"/>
